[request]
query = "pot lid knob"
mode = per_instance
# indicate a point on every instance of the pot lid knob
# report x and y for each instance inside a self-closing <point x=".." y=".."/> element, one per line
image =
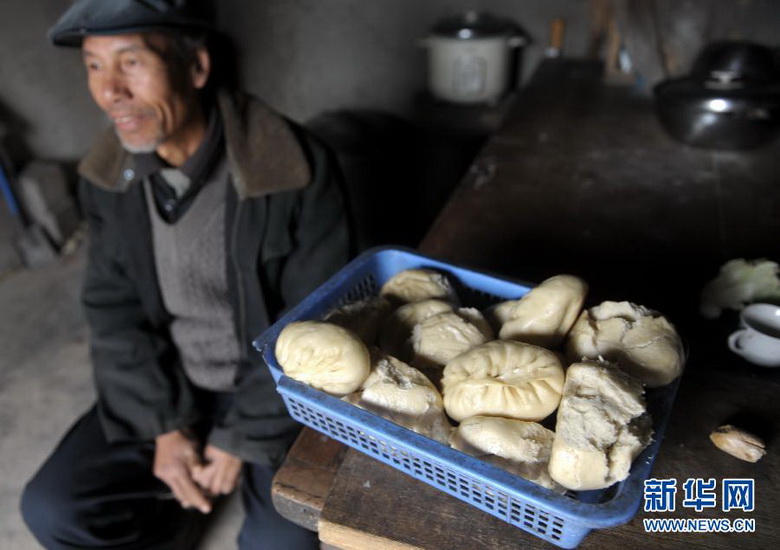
<point x="474" y="24"/>
<point x="733" y="64"/>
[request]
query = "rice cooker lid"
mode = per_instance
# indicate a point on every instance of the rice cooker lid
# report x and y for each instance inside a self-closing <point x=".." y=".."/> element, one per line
<point x="471" y="25"/>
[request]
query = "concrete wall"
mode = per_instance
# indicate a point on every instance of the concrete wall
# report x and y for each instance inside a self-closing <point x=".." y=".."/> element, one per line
<point x="313" y="55"/>
<point x="308" y="56"/>
<point x="43" y="100"/>
<point x="303" y="56"/>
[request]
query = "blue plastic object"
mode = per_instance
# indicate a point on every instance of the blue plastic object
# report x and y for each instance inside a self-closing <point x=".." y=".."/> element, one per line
<point x="8" y="194"/>
<point x="563" y="520"/>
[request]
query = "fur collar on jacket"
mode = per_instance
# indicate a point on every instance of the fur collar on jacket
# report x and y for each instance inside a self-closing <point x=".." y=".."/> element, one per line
<point x="264" y="153"/>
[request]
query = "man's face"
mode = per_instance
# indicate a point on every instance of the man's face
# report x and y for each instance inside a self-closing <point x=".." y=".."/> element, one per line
<point x="150" y="104"/>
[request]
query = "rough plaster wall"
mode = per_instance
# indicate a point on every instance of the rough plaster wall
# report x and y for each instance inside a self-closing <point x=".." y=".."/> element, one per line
<point x="43" y="99"/>
<point x="312" y="55"/>
<point x="303" y="56"/>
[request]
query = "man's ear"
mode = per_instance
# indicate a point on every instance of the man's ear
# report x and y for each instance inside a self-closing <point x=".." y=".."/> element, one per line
<point x="201" y="68"/>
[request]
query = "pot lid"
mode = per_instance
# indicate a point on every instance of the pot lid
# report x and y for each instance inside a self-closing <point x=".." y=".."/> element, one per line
<point x="473" y="24"/>
<point x="736" y="64"/>
<point x="690" y="89"/>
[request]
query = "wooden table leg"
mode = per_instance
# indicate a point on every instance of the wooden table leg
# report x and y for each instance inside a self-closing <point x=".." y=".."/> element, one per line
<point x="302" y="484"/>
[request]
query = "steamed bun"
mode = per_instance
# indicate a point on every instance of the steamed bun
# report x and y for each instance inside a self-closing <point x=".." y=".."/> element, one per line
<point x="641" y="341"/>
<point x="395" y="335"/>
<point x="402" y="394"/>
<point x="522" y="448"/>
<point x="503" y="378"/>
<point x="414" y="285"/>
<point x="323" y="355"/>
<point x="602" y="425"/>
<point x="442" y="337"/>
<point x="545" y="314"/>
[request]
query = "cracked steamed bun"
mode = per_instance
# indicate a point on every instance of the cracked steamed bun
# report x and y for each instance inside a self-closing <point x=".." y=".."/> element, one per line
<point x="601" y="427"/>
<point x="396" y="332"/>
<point x="414" y="285"/>
<point x="522" y="448"/>
<point x="503" y="378"/>
<point x="402" y="394"/>
<point x="641" y="341"/>
<point x="323" y="355"/>
<point x="442" y="337"/>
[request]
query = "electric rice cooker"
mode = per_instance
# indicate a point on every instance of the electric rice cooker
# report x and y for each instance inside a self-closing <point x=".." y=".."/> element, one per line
<point x="470" y="58"/>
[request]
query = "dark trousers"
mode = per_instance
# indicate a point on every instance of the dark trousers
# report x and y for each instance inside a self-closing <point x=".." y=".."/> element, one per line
<point x="93" y="494"/>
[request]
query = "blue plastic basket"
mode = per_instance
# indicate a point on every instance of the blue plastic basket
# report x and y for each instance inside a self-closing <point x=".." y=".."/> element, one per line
<point x="560" y="519"/>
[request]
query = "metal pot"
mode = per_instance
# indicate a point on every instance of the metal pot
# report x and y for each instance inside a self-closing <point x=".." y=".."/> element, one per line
<point x="731" y="100"/>
<point x="469" y="58"/>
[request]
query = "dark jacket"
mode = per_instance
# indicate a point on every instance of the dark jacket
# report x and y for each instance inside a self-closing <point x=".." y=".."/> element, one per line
<point x="286" y="232"/>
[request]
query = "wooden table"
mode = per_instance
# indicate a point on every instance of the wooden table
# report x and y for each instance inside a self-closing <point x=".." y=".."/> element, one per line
<point x="582" y="179"/>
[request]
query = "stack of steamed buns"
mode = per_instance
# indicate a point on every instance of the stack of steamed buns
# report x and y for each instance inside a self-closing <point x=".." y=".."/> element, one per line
<point x="485" y="382"/>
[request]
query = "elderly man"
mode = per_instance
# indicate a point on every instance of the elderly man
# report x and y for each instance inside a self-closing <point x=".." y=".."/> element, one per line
<point x="209" y="214"/>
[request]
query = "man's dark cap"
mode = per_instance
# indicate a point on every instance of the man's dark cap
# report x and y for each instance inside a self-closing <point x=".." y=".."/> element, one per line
<point x="106" y="17"/>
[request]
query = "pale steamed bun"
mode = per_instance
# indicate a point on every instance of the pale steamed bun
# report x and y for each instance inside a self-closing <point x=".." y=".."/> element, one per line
<point x="503" y="378"/>
<point x="601" y="426"/>
<point x="396" y="332"/>
<point x="323" y="355"/>
<point x="641" y="341"/>
<point x="545" y="314"/>
<point x="414" y="285"/>
<point x="520" y="447"/>
<point x="403" y="395"/>
<point x="442" y="337"/>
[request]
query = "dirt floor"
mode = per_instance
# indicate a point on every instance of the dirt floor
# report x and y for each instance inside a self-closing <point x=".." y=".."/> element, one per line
<point x="45" y="383"/>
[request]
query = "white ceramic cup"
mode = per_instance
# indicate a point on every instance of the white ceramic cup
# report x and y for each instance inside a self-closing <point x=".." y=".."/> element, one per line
<point x="758" y="339"/>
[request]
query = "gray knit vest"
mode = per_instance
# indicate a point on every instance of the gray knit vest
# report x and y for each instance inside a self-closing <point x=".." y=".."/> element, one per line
<point x="191" y="261"/>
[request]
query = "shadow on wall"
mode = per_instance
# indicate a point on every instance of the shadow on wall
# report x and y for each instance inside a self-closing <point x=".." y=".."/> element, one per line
<point x="376" y="152"/>
<point x="39" y="217"/>
<point x="397" y="174"/>
<point x="12" y="143"/>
